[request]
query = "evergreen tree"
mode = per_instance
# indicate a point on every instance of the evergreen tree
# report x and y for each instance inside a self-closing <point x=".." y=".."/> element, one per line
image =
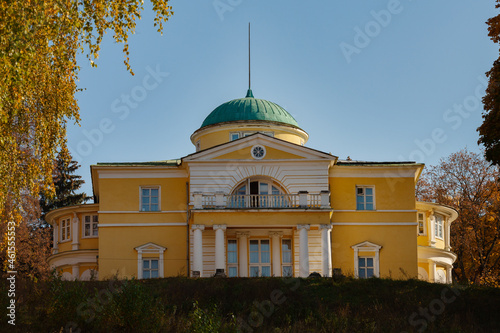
<point x="66" y="183"/>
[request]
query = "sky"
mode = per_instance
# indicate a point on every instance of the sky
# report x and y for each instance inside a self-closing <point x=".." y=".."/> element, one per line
<point x="375" y="80"/>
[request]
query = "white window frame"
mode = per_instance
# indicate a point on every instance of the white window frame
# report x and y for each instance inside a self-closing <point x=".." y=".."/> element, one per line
<point x="366" y="247"/>
<point x="150" y="248"/>
<point x="286" y="264"/>
<point x="150" y="270"/>
<point x="158" y="187"/>
<point x="260" y="264"/>
<point x="65" y="229"/>
<point x="366" y="267"/>
<point x="424" y="222"/>
<point x="232" y="264"/>
<point x="439" y="227"/>
<point x="364" y="196"/>
<point x="84" y="222"/>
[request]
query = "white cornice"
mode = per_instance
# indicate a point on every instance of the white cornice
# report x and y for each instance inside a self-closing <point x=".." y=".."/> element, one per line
<point x="374" y="223"/>
<point x="166" y="224"/>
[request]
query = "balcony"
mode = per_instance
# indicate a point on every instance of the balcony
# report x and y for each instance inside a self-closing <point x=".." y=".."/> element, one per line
<point x="301" y="200"/>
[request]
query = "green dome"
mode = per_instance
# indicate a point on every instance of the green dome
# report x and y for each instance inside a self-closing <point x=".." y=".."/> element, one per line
<point x="249" y="108"/>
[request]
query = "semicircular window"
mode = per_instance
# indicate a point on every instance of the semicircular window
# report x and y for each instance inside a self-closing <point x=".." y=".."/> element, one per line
<point x="259" y="193"/>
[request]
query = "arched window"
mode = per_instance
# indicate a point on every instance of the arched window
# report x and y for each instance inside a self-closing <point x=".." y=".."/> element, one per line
<point x="259" y="193"/>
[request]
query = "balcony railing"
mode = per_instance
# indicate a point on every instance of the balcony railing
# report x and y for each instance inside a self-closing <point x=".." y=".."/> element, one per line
<point x="302" y="199"/>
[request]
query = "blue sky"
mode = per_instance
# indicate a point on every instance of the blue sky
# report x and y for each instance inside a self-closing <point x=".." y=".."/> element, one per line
<point x="373" y="80"/>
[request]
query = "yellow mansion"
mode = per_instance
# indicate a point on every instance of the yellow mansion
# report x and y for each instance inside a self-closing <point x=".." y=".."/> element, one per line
<point x="252" y="201"/>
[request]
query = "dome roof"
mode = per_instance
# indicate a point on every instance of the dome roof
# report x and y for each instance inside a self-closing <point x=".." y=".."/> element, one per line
<point x="249" y="108"/>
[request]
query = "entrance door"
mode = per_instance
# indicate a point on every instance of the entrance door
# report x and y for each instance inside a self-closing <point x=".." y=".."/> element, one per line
<point x="260" y="258"/>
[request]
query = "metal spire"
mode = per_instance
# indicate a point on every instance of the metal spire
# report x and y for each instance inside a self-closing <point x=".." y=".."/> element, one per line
<point x="249" y="92"/>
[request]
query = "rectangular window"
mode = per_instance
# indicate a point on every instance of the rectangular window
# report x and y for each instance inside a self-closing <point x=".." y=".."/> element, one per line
<point x="421" y="223"/>
<point x="65" y="229"/>
<point x="232" y="258"/>
<point x="149" y="268"/>
<point x="234" y="136"/>
<point x="260" y="258"/>
<point x="365" y="267"/>
<point x="90" y="223"/>
<point x="150" y="198"/>
<point x="438" y="226"/>
<point x="286" y="258"/>
<point x="365" y="198"/>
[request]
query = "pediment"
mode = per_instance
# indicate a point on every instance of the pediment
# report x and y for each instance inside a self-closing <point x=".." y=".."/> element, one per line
<point x="150" y="247"/>
<point x="367" y="246"/>
<point x="275" y="149"/>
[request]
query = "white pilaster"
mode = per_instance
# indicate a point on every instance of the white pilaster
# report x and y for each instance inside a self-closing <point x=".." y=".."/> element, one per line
<point x="242" y="254"/>
<point x="198" y="249"/>
<point x="75" y="226"/>
<point x="432" y="236"/>
<point x="55" y="238"/>
<point x="303" y="249"/>
<point x="326" y="249"/>
<point x="447" y="235"/>
<point x="220" y="253"/>
<point x="139" y="264"/>
<point x="75" y="272"/>
<point x="276" y="251"/>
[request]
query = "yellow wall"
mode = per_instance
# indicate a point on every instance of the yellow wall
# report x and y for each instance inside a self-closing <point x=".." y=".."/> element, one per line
<point x="117" y="253"/>
<point x="123" y="194"/>
<point x="390" y="194"/>
<point x="398" y="252"/>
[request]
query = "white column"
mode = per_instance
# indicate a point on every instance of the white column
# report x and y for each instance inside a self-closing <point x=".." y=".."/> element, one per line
<point x="276" y="246"/>
<point x="76" y="227"/>
<point x="75" y="272"/>
<point x="303" y="250"/>
<point x="220" y="254"/>
<point x="449" y="278"/>
<point x="55" y="238"/>
<point x="326" y="249"/>
<point x="198" y="249"/>
<point x="432" y="271"/>
<point x="242" y="254"/>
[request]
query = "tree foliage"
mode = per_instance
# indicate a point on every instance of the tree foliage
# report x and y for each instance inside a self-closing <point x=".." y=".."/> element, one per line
<point x="468" y="183"/>
<point x="39" y="42"/>
<point x="66" y="183"/>
<point x="489" y="131"/>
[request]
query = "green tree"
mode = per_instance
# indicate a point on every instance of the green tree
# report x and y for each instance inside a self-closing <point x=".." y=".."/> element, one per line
<point x="66" y="184"/>
<point x="39" y="42"/>
<point x="489" y="131"/>
<point x="468" y="183"/>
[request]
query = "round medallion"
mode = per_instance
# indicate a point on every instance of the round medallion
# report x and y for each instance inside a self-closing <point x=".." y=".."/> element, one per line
<point x="258" y="152"/>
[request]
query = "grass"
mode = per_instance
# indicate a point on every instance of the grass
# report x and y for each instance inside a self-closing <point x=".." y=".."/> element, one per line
<point x="252" y="305"/>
